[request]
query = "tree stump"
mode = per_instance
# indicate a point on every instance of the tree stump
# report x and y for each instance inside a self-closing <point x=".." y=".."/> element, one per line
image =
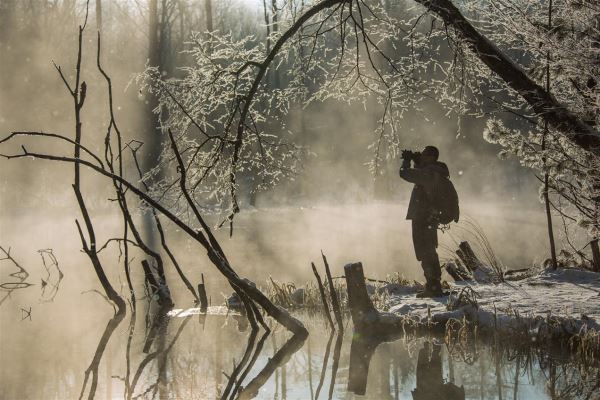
<point x="457" y="272"/>
<point x="467" y="256"/>
<point x="361" y="307"/>
<point x="371" y="328"/>
<point x="368" y="321"/>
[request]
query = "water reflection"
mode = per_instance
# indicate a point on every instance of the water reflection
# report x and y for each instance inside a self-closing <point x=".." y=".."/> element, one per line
<point x="430" y="382"/>
<point x="92" y="370"/>
<point x="361" y="351"/>
<point x="18" y="272"/>
<point x="206" y="356"/>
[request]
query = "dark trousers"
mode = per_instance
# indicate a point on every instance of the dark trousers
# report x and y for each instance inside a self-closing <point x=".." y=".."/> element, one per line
<point x="425" y="241"/>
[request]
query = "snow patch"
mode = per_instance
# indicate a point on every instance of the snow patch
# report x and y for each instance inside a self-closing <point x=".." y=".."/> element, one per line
<point x="567" y="296"/>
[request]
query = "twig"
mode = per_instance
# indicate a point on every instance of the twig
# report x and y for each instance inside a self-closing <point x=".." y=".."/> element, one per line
<point x="323" y="296"/>
<point x="335" y="304"/>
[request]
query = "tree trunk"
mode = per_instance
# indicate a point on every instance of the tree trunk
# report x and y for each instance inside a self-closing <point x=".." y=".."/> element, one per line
<point x="546" y="175"/>
<point x="99" y="15"/>
<point x="275" y="18"/>
<point x="153" y="54"/>
<point x="542" y="102"/>
<point x="268" y="25"/>
<point x="209" y="15"/>
<point x="157" y="286"/>
<point x="595" y="255"/>
<point x="152" y="134"/>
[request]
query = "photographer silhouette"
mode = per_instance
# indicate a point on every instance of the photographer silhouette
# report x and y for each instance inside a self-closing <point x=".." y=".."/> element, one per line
<point x="433" y="201"/>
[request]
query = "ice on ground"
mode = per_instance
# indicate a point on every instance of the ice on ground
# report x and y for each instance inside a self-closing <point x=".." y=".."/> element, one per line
<point x="568" y="294"/>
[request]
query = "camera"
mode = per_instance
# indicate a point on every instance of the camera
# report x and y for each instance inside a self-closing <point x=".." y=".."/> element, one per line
<point x="410" y="155"/>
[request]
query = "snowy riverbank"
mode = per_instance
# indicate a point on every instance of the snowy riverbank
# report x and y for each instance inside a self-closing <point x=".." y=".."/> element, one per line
<point x="566" y="300"/>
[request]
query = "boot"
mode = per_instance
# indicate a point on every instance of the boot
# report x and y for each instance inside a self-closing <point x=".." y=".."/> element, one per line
<point x="432" y="289"/>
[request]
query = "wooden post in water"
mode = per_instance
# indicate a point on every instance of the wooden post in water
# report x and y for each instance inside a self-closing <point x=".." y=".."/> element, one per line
<point x="202" y="296"/>
<point x="358" y="298"/>
<point x="595" y="255"/>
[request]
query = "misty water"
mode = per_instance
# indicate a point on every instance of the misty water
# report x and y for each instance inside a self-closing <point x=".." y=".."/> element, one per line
<point x="195" y="356"/>
<point x="58" y="329"/>
<point x="60" y="338"/>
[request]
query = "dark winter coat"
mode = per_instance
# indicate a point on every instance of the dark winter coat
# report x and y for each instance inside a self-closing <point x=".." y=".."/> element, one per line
<point x="419" y="208"/>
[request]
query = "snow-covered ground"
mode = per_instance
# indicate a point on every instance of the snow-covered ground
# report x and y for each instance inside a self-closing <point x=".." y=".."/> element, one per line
<point x="568" y="296"/>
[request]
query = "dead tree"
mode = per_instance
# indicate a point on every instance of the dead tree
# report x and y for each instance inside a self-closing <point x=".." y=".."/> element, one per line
<point x="209" y="15"/>
<point x="203" y="236"/>
<point x="161" y="232"/>
<point x="361" y="307"/>
<point x="250" y="295"/>
<point x="129" y="224"/>
<point x="78" y="93"/>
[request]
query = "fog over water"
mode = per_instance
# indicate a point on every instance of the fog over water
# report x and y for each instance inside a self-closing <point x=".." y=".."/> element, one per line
<point x="335" y="206"/>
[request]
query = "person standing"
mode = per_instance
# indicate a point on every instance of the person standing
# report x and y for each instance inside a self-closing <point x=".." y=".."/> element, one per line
<point x="429" y="206"/>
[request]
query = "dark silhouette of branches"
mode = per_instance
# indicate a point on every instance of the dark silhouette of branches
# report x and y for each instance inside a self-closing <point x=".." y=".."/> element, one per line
<point x="92" y="370"/>
<point x="282" y="356"/>
<point x="50" y="263"/>
<point x="204" y="237"/>
<point x="540" y="100"/>
<point x="21" y="275"/>
<point x="78" y="93"/>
